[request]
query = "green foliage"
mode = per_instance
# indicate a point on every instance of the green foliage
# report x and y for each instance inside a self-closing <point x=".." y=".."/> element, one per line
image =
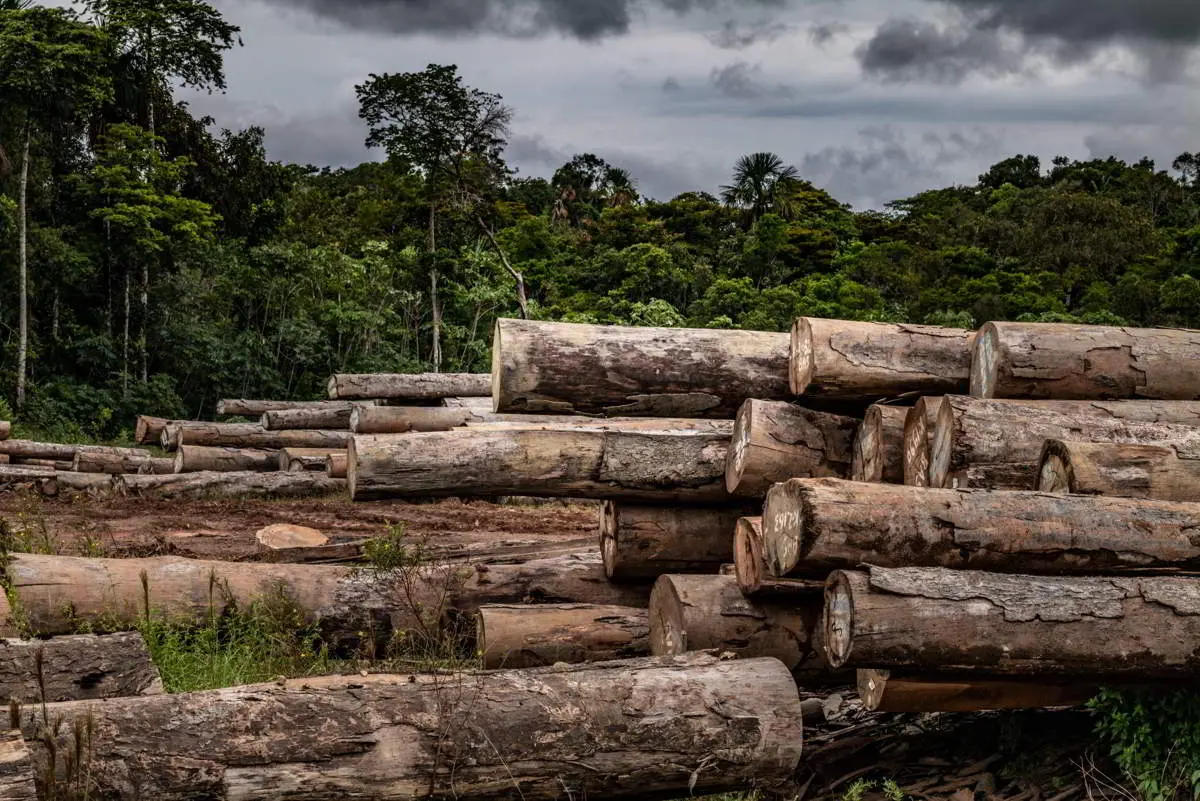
<point x="1155" y="740"/>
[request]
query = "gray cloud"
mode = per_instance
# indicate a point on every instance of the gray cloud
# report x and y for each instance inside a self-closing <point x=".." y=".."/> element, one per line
<point x="820" y="33"/>
<point x="1092" y="22"/>
<point x="904" y="49"/>
<point x="743" y="80"/>
<point x="735" y="36"/>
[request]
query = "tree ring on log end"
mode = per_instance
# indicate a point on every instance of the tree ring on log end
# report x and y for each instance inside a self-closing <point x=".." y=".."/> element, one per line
<point x="870" y="687"/>
<point x="782" y="529"/>
<point x="839" y="619"/>
<point x="739" y="444"/>
<point x="1055" y="473"/>
<point x="609" y="521"/>
<point x="748" y="556"/>
<point x="867" y="466"/>
<point x="802" y="365"/>
<point x="497" y="369"/>
<point x="941" y="448"/>
<point x="668" y="634"/>
<point x="985" y="365"/>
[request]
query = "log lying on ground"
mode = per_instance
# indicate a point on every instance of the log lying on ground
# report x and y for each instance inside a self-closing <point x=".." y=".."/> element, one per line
<point x="642" y="728"/>
<point x="750" y="568"/>
<point x="775" y="441"/>
<point x="200" y="459"/>
<point x="337" y="464"/>
<point x="814" y="526"/>
<point x="249" y="435"/>
<point x="575" y="579"/>
<point x="1137" y="627"/>
<point x="116" y="464"/>
<point x="879" y="446"/>
<point x="872" y="361"/>
<point x="230" y="485"/>
<point x="257" y="408"/>
<point x="298" y="460"/>
<point x="655" y="466"/>
<point x="148" y="430"/>
<point x="58" y="483"/>
<point x="522" y="636"/>
<point x="47" y="464"/>
<point x="329" y="418"/>
<point x="18" y="449"/>
<point x="483" y="403"/>
<point x="5" y="429"/>
<point x="76" y="668"/>
<point x="638" y="372"/>
<point x="419" y="386"/>
<point x="919" y="425"/>
<point x="641" y="543"/>
<point x="1064" y="361"/>
<point x="1127" y="471"/>
<point x="891" y="691"/>
<point x="700" y="613"/>
<point x="998" y="444"/>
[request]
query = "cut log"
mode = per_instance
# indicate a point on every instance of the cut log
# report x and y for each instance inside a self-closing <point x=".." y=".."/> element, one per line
<point x="230" y="485"/>
<point x="18" y="449"/>
<point x="5" y="429"/>
<point x="314" y="418"/>
<point x="750" y="569"/>
<point x="524" y="636"/>
<point x="299" y="460"/>
<point x="889" y="691"/>
<point x="1113" y="626"/>
<point x="250" y="435"/>
<point x="873" y="361"/>
<point x="879" y="446"/>
<point x="919" y="425"/>
<point x="47" y="464"/>
<point x="17" y="770"/>
<point x="148" y="430"/>
<point x="637" y="372"/>
<point x="257" y="408"/>
<point x="116" y="464"/>
<point x="814" y="526"/>
<point x="701" y="613"/>
<point x="641" y="543"/>
<point x="21" y="474"/>
<point x="998" y="444"/>
<point x="286" y="537"/>
<point x="63" y="484"/>
<point x="660" y="467"/>
<point x="4" y="458"/>
<point x="337" y="464"/>
<point x="403" y="419"/>
<point x="420" y="386"/>
<point x="775" y="441"/>
<point x="483" y="403"/>
<point x="631" y="729"/>
<point x="200" y="459"/>
<point x="1064" y="361"/>
<point x="77" y="668"/>
<point x="575" y="579"/>
<point x="1127" y="471"/>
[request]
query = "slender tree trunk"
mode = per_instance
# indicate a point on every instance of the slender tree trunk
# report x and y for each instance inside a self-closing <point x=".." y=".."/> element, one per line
<point x="436" y="307"/>
<point x="23" y="265"/>
<point x="143" y="343"/>
<point x="522" y="299"/>
<point x="125" y="343"/>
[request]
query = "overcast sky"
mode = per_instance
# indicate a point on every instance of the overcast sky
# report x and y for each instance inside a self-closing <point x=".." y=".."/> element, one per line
<point x="871" y="99"/>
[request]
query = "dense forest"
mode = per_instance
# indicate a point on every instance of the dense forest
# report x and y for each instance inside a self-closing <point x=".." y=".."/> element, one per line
<point x="167" y="262"/>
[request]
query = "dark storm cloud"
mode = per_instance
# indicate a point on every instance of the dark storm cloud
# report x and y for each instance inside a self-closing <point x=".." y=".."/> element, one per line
<point x="1092" y="22"/>
<point x="910" y="49"/>
<point x="735" y="36"/>
<point x="821" y="33"/>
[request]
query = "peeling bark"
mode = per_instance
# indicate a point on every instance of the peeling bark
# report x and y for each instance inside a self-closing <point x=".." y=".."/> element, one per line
<point x="77" y="668"/>
<point x="775" y="441"/>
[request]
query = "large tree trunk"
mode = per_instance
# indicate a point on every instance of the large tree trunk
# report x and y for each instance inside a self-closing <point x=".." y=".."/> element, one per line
<point x="117" y="464"/>
<point x="874" y="361"/>
<point x="919" y="424"/>
<point x="402" y="420"/>
<point x="250" y="435"/>
<point x="998" y="445"/>
<point x="1064" y="361"/>
<point x="56" y="452"/>
<point x="523" y="636"/>
<point x="700" y="613"/>
<point x="299" y="460"/>
<point x="405" y="386"/>
<point x="933" y="618"/>
<point x="641" y="543"/>
<point x="775" y="441"/>
<point x="815" y="526"/>
<point x="657" y="466"/>
<point x="638" y="372"/>
<point x="77" y="668"/>
<point x="231" y="485"/>
<point x="890" y="691"/>
<point x="257" y="408"/>
<point x="750" y="568"/>
<point x="300" y="419"/>
<point x="337" y="465"/>
<point x="201" y="459"/>
<point x="1128" y="471"/>
<point x="879" y="446"/>
<point x="5" y="430"/>
<point x="632" y="729"/>
<point x="23" y="267"/>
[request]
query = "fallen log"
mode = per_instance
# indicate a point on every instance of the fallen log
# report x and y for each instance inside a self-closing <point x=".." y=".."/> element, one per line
<point x="47" y="464"/>
<point x="750" y="569"/>
<point x="299" y="460"/>
<point x="775" y="441"/>
<point x="200" y="459"/>
<point x="812" y="527"/>
<point x="702" y="613"/>
<point x="337" y="464"/>
<point x="879" y="446"/>
<point x="250" y="435"/>
<point x="115" y="464"/>
<point x="657" y="466"/>
<point x="574" y="579"/>
<point x="257" y="408"/>
<point x="889" y="691"/>
<point x="638" y="372"/>
<point x="1113" y="626"/>
<point x="402" y="419"/>
<point x="630" y="729"/>
<point x="1127" y="471"/>
<point x="18" y="449"/>
<point x="313" y="418"/>
<point x="5" y="429"/>
<point x="239" y="484"/>
<point x="148" y="430"/>
<point x="872" y="361"/>
<point x="641" y="543"/>
<point x="419" y="386"/>
<point x="1066" y="361"/>
<point x="998" y="445"/>
<point x="919" y="425"/>
<point x="522" y="636"/>
<point x="62" y="484"/>
<point x="76" y="668"/>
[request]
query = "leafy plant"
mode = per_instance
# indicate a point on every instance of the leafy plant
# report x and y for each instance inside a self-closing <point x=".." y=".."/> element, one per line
<point x="1155" y="740"/>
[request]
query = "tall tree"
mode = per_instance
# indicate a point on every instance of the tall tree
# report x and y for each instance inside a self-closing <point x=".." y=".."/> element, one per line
<point x="52" y="69"/>
<point x="761" y="184"/>
<point x="432" y="121"/>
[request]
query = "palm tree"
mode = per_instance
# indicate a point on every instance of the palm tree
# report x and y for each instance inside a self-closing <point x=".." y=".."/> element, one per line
<point x="760" y="184"/>
<point x="618" y="188"/>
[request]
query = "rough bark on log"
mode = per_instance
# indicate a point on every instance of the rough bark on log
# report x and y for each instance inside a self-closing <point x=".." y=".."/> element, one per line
<point x="257" y="408"/>
<point x="116" y="464"/>
<point x="75" y="668"/>
<point x="484" y="403"/>
<point x="337" y="464"/>
<point x="919" y="425"/>
<point x="403" y="419"/>
<point x="250" y="435"/>
<point x="654" y="466"/>
<point x="750" y="569"/>
<point x="642" y="728"/>
<point x="148" y="430"/>
<point x="775" y="441"/>
<point x="879" y="446"/>
<point x="1112" y="626"/>
<point x="299" y="460"/>
<point x="5" y="429"/>
<point x="17" y="780"/>
<point x="1065" y="361"/>
<point x="641" y="543"/>
<point x="4" y="458"/>
<point x="522" y="636"/>
<point x="701" y="613"/>
<point x="230" y="485"/>
<point x="1127" y="471"/>
<point x="62" y="484"/>
<point x="574" y="579"/>
<point x="998" y="445"/>
<point x="201" y="459"/>
<point x="56" y="452"/>
<point x="636" y="372"/>
<point x="420" y="386"/>
<point x="47" y="464"/>
<point x="315" y="419"/>
<point x="890" y="691"/>
<point x="814" y="526"/>
<point x="873" y="361"/>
